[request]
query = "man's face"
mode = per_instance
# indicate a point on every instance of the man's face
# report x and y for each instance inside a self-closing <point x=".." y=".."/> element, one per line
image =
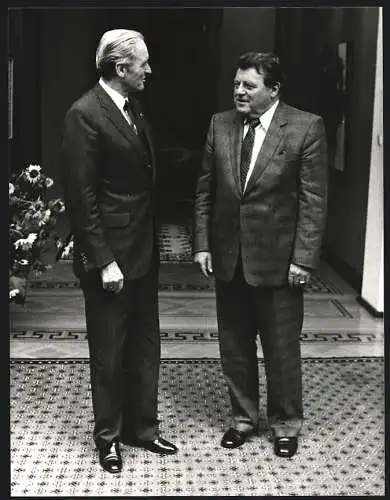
<point x="138" y="68"/>
<point x="251" y="96"/>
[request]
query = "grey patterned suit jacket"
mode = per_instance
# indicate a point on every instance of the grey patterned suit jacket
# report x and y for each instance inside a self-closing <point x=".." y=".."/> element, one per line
<point x="281" y="216"/>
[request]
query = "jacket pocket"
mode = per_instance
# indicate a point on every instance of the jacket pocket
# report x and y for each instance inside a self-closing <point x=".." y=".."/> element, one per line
<point x="115" y="220"/>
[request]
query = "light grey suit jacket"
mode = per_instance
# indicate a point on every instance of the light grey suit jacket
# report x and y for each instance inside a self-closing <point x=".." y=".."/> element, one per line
<point x="281" y="216"/>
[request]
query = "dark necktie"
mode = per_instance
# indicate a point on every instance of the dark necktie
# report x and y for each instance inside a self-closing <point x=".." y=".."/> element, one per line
<point x="137" y="126"/>
<point x="127" y="109"/>
<point x="246" y="150"/>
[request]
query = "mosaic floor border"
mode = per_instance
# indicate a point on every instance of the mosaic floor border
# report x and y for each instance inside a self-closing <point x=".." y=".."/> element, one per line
<point x="61" y="335"/>
<point x="196" y="361"/>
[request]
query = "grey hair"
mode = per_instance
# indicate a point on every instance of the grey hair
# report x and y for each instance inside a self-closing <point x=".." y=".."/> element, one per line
<point x="115" y="46"/>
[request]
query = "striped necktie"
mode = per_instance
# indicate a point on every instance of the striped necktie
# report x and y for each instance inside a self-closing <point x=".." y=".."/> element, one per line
<point x="246" y="150"/>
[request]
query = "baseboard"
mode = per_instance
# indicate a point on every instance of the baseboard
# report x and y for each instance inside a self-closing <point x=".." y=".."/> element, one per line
<point x="369" y="307"/>
<point x="346" y="272"/>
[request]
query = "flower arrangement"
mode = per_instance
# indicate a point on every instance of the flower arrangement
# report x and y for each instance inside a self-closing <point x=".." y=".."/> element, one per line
<point x="32" y="234"/>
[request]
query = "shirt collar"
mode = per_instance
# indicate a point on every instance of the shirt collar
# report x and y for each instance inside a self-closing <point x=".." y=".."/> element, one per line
<point x="118" y="98"/>
<point x="266" y="118"/>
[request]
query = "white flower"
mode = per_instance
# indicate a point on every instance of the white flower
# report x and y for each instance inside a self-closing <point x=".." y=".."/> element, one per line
<point x="14" y="292"/>
<point x="11" y="188"/>
<point x="26" y="242"/>
<point x="23" y="262"/>
<point x="31" y="238"/>
<point x="67" y="249"/>
<point x="49" y="182"/>
<point x="20" y="242"/>
<point x="33" y="168"/>
<point x="57" y="206"/>
<point x="33" y="173"/>
<point x="45" y="218"/>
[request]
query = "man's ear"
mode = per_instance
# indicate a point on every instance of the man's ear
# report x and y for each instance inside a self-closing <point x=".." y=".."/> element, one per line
<point x="275" y="89"/>
<point x="120" y="69"/>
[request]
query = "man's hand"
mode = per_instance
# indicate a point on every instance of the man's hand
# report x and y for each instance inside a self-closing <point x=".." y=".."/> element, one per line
<point x="298" y="276"/>
<point x="204" y="260"/>
<point x="112" y="277"/>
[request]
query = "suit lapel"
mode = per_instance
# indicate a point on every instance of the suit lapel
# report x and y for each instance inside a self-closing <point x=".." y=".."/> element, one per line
<point x="115" y="116"/>
<point x="235" y="137"/>
<point x="273" y="137"/>
<point x="145" y="127"/>
<point x="151" y="149"/>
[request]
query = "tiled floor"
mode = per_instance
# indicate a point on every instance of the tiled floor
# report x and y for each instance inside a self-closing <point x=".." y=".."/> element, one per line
<point x="52" y="325"/>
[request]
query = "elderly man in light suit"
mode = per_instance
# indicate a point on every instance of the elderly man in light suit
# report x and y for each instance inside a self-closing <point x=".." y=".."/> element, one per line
<point x="259" y="220"/>
<point x="108" y="174"/>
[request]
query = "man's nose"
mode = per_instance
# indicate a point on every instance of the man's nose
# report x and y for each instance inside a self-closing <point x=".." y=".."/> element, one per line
<point x="239" y="90"/>
<point x="148" y="69"/>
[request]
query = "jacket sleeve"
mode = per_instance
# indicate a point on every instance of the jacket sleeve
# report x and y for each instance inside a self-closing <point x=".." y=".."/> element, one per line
<point x="79" y="169"/>
<point x="204" y="195"/>
<point x="312" y="205"/>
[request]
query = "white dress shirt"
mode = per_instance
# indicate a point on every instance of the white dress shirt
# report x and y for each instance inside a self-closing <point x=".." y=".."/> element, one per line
<point x="118" y="99"/>
<point x="260" y="132"/>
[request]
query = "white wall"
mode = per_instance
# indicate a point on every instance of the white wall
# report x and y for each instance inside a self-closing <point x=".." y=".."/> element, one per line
<point x="372" y="286"/>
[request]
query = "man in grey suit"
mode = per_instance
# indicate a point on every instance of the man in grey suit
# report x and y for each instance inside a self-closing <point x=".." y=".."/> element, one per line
<point x="259" y="220"/>
<point x="108" y="174"/>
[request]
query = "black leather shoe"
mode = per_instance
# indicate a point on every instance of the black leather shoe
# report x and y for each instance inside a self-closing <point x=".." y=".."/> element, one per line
<point x="285" y="446"/>
<point x="158" y="445"/>
<point x="233" y="438"/>
<point x="110" y="458"/>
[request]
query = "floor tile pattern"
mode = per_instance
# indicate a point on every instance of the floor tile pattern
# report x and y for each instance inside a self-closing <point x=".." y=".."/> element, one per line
<point x="341" y="450"/>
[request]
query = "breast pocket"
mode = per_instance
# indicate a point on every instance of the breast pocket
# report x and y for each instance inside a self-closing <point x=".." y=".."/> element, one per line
<point x="287" y="155"/>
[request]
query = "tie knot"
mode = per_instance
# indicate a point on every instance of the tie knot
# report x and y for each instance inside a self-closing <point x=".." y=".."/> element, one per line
<point x="126" y="105"/>
<point x="252" y="122"/>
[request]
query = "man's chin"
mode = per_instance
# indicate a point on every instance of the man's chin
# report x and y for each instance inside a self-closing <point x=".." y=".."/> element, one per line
<point x="242" y="108"/>
<point x="139" y="88"/>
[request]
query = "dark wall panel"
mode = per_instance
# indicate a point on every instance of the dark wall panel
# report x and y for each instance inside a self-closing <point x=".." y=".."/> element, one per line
<point x="301" y="35"/>
<point x="246" y="29"/>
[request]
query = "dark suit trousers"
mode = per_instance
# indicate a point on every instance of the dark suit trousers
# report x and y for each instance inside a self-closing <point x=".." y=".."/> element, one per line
<point x="277" y="314"/>
<point x="124" y="345"/>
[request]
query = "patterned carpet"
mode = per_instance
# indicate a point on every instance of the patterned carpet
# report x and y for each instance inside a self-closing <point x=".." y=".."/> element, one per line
<point x="177" y="270"/>
<point x="341" y="449"/>
<point x="175" y="242"/>
<point x="175" y="238"/>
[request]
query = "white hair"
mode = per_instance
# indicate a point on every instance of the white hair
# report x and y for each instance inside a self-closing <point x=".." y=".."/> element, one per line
<point x="116" y="46"/>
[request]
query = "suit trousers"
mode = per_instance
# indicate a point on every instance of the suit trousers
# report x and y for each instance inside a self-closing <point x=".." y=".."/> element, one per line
<point x="124" y="345"/>
<point x="276" y="313"/>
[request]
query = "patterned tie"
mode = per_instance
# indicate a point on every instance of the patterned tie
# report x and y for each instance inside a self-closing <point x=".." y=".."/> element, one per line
<point x="127" y="109"/>
<point x="136" y="124"/>
<point x="246" y="150"/>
